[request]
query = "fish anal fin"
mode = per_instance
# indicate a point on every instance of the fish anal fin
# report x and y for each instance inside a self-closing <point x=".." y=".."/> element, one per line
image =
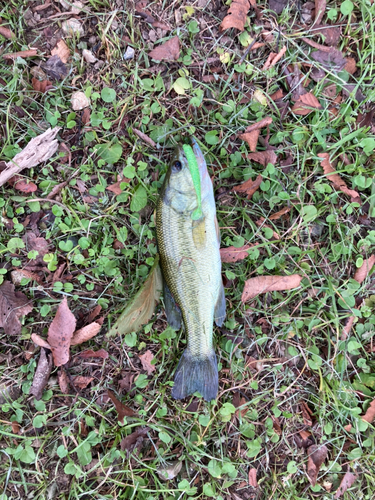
<point x="199" y="233"/>
<point x="220" y="307"/>
<point x="172" y="310"/>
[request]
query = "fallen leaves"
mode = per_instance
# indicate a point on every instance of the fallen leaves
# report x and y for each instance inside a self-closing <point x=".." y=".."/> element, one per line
<point x="89" y="353"/>
<point x="274" y="58"/>
<point x="252" y="132"/>
<point x="369" y="416"/>
<point x="85" y="333"/>
<point x="122" y="410"/>
<point x="22" y="53"/>
<point x="6" y="33"/>
<point x="263" y="284"/>
<point x="233" y="254"/>
<point x="263" y="157"/>
<point x="135" y="439"/>
<point x="346" y="483"/>
<point x="306" y="104"/>
<point x="249" y="187"/>
<point x="253" y="477"/>
<point x="236" y="16"/>
<point x="55" y="68"/>
<point x="362" y="273"/>
<point x="62" y="51"/>
<point x="168" y="51"/>
<point x="316" y="457"/>
<point x="146" y="359"/>
<point x="140" y="9"/>
<point x="13" y="305"/>
<point x="142" y="306"/>
<point x="42" y="374"/>
<point x="60" y="333"/>
<point x="320" y="8"/>
<point x="334" y="177"/>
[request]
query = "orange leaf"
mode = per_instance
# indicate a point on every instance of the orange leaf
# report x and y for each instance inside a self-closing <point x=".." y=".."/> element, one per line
<point x="168" y="51"/>
<point x="61" y="50"/>
<point x="274" y="58"/>
<point x="41" y="86"/>
<point x="303" y="106"/>
<point x="279" y="94"/>
<point x="85" y="333"/>
<point x="122" y="410"/>
<point x="60" y="333"/>
<point x="258" y="125"/>
<point x="361" y="273"/>
<point x="82" y="382"/>
<point x="347" y="327"/>
<point x="317" y="455"/>
<point x="249" y="187"/>
<point x="63" y="380"/>
<point x="236" y="17"/>
<point x="263" y="284"/>
<point x="233" y="254"/>
<point x="22" y="53"/>
<point x="369" y="416"/>
<point x="351" y="65"/>
<point x="251" y="138"/>
<point x="279" y="214"/>
<point x="25" y="186"/>
<point x="146" y="359"/>
<point x="334" y="177"/>
<point x="253" y="477"/>
<point x="263" y="157"/>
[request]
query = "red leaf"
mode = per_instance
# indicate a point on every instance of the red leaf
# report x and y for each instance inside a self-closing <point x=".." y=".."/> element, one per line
<point x="41" y="86"/>
<point x="334" y="177"/>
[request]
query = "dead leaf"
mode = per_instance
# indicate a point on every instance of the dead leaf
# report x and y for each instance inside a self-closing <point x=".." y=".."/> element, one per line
<point x="42" y="374"/>
<point x="55" y="68"/>
<point x="362" y="273"/>
<point x="346" y="483"/>
<point x="63" y="380"/>
<point x="236" y="16"/>
<point x="37" y="244"/>
<point x="25" y="186"/>
<point x="122" y="410"/>
<point x="18" y="274"/>
<point x="7" y="33"/>
<point x="130" y="442"/>
<point x="369" y="416"/>
<point x="263" y="284"/>
<point x="60" y="333"/>
<point x="253" y="477"/>
<point x="351" y="65"/>
<point x="85" y="118"/>
<point x="94" y="313"/>
<point x="347" y="327"/>
<point x="146" y="359"/>
<point x="233" y="254"/>
<point x="146" y="15"/>
<point x="144" y="137"/>
<point x="142" y="306"/>
<point x="317" y="455"/>
<point x="263" y="157"/>
<point x="169" y="471"/>
<point x="168" y="51"/>
<point x="22" y="53"/>
<point x="85" y="333"/>
<point x="320" y="8"/>
<point x="331" y="34"/>
<point x="307" y="414"/>
<point x="16" y="427"/>
<point x="61" y="50"/>
<point x="279" y="94"/>
<point x="41" y="85"/>
<point x="274" y="58"/>
<point x="278" y="5"/>
<point x="13" y="305"/>
<point x="251" y="138"/>
<point x="249" y="187"/>
<point x="331" y="59"/>
<point x="116" y="187"/>
<point x="335" y="178"/>
<point x="38" y="340"/>
<point x="279" y="214"/>
<point x="306" y="104"/>
<point x="89" y="353"/>
<point x="126" y="382"/>
<point x="81" y="382"/>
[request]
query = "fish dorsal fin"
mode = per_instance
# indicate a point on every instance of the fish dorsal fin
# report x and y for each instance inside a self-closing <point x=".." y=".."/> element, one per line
<point x="199" y="233"/>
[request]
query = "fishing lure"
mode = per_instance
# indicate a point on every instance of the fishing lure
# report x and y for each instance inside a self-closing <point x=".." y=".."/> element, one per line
<point x="194" y="170"/>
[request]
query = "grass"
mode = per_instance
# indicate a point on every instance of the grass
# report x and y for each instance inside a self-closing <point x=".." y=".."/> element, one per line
<point x="68" y="446"/>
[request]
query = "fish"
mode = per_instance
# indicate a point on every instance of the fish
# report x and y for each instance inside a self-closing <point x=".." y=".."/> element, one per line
<point x="188" y="240"/>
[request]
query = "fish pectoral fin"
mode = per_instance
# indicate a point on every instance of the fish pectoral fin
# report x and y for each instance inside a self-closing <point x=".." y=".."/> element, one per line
<point x="220" y="307"/>
<point x="172" y="310"/>
<point x="199" y="233"/>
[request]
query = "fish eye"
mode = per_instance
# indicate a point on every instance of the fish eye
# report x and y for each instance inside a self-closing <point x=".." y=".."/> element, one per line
<point x="177" y="166"/>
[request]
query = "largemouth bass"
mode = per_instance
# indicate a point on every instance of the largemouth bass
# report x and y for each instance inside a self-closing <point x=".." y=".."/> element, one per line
<point x="189" y="242"/>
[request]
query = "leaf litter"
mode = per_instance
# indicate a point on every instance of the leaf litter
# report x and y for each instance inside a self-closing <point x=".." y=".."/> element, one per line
<point x="13" y="306"/>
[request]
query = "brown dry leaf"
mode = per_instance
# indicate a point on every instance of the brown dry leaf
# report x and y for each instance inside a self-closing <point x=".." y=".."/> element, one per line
<point x="317" y="455"/>
<point x="127" y="382"/>
<point x="233" y="254"/>
<point x="279" y="94"/>
<point x="362" y="273"/>
<point x="320" y="8"/>
<point x="38" y="244"/>
<point x="274" y="58"/>
<point x="116" y="187"/>
<point x="94" y="313"/>
<point x="278" y="5"/>
<point x="253" y="477"/>
<point x="279" y="214"/>
<point x="331" y="34"/>
<point x="13" y="305"/>
<point x="89" y="353"/>
<point x="60" y="333"/>
<point x="16" y="428"/>
<point x="307" y="414"/>
<point x="140" y="9"/>
<point x="38" y="340"/>
<point x="85" y="333"/>
<point x="55" y="68"/>
<point x="304" y="435"/>
<point x="236" y="16"/>
<point x="63" y="380"/>
<point x="6" y="33"/>
<point x="347" y="327"/>
<point x="330" y="58"/>
<point x="22" y="53"/>
<point x="306" y="104"/>
<point x="263" y="284"/>
<point x="85" y="118"/>
<point x="81" y="382"/>
<point x="249" y="187"/>
<point x="334" y="177"/>
<point x="41" y="86"/>
<point x="25" y="186"/>
<point x="168" y="51"/>
<point x="144" y="137"/>
<point x="122" y="410"/>
<point x="351" y="65"/>
<point x="258" y="125"/>
<point x="42" y="374"/>
<point x="129" y="442"/>
<point x="146" y="359"/>
<point x="263" y="157"/>
<point x="346" y="483"/>
<point x="251" y="138"/>
<point x="369" y="416"/>
<point x="18" y="274"/>
<point x="61" y="50"/>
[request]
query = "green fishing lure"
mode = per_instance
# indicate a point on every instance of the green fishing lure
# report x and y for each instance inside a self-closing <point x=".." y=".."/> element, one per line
<point x="194" y="170"/>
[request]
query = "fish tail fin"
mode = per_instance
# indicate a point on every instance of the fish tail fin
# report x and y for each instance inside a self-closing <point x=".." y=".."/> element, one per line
<point x="196" y="374"/>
